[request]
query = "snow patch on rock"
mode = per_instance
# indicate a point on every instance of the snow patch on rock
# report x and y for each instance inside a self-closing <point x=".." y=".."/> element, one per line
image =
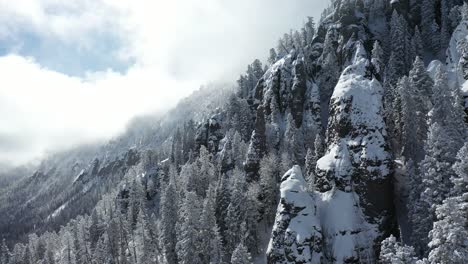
<point x="317" y="227"/>
<point x="296" y="235"/>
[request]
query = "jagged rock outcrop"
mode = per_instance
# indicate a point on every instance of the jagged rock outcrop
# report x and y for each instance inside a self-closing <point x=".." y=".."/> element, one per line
<point x="288" y="113"/>
<point x="287" y="87"/>
<point x="290" y="102"/>
<point x="357" y="164"/>
<point x="257" y="146"/>
<point x="296" y="235"/>
<point x="457" y="60"/>
<point x="209" y="133"/>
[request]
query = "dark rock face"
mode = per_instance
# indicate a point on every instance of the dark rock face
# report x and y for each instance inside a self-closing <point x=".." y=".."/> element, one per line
<point x="297" y="235"/>
<point x="257" y="146"/>
<point x="291" y="105"/>
<point x="209" y="133"/>
<point x="284" y="88"/>
<point x="227" y="160"/>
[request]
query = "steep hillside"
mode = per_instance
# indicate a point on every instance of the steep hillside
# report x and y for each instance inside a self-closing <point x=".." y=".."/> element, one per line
<point x="306" y="147"/>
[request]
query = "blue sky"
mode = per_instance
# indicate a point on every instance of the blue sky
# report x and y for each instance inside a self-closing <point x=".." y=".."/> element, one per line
<point x="77" y="71"/>
<point x="68" y="58"/>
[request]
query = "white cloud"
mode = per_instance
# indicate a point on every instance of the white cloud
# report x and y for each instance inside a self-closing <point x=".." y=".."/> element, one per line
<point x="176" y="45"/>
<point x="45" y="110"/>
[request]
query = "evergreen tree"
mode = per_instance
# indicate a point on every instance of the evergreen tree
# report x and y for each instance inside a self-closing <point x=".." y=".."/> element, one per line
<point x="222" y="203"/>
<point x="272" y="57"/>
<point x="168" y="222"/>
<point x="394" y="252"/>
<point x="417" y="48"/>
<point x="113" y="239"/>
<point x="252" y="205"/>
<point x="418" y="93"/>
<point x="309" y="30"/>
<point x="378" y="59"/>
<point x="310" y="164"/>
<point x="269" y="172"/>
<point x="460" y="181"/>
<point x="235" y="211"/>
<point x="445" y="28"/>
<point x="436" y="173"/>
<point x="241" y="255"/>
<point x="448" y="112"/>
<point x="397" y="64"/>
<point x="208" y="229"/>
<point x="145" y="240"/>
<point x="405" y="122"/>
<point x="187" y="247"/>
<point x="96" y="229"/>
<point x="427" y="22"/>
<point x="449" y="233"/>
<point x="78" y="244"/>
<point x="294" y="141"/>
<point x="435" y="38"/>
<point x="4" y="253"/>
<point x="27" y="257"/>
<point x="448" y="237"/>
<point x="101" y="251"/>
<point x="216" y="246"/>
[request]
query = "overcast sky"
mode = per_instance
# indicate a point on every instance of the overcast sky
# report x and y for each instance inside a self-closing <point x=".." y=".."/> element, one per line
<point x="77" y="71"/>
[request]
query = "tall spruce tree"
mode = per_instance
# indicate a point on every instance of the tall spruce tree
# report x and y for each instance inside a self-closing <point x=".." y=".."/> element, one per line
<point x="241" y="255"/>
<point x="169" y="206"/>
<point x="187" y="246"/>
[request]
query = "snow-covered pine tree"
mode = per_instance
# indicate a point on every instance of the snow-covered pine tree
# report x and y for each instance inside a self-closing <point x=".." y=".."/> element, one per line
<point x="448" y="238"/>
<point x="272" y="58"/>
<point x="216" y="246"/>
<point x="187" y="246"/>
<point x="235" y="211"/>
<point x="392" y="252"/>
<point x="241" y="255"/>
<point x="27" y="257"/>
<point x="420" y="92"/>
<point x="417" y="48"/>
<point x="209" y="229"/>
<point x="146" y="240"/>
<point x="448" y="111"/>
<point x="168" y="223"/>
<point x="79" y="245"/>
<point x="378" y="60"/>
<point x="222" y="202"/>
<point x="460" y="181"/>
<point x="436" y="172"/>
<point x="95" y="229"/>
<point x="428" y="11"/>
<point x="397" y="64"/>
<point x="4" y="253"/>
<point x="309" y="30"/>
<point x="445" y="23"/>
<point x="404" y="121"/>
<point x="251" y="208"/>
<point x="269" y="174"/>
<point x="310" y="163"/>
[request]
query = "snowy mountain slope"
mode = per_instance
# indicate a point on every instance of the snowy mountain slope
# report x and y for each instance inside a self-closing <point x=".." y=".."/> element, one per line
<point x="215" y="186"/>
<point x="70" y="183"/>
